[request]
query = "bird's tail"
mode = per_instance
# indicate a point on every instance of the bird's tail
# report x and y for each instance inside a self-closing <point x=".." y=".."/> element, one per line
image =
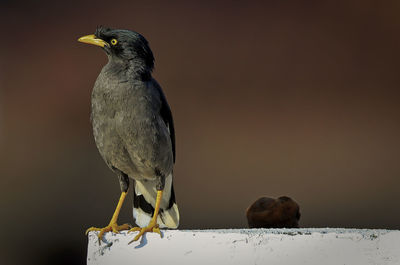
<point x="144" y="196"/>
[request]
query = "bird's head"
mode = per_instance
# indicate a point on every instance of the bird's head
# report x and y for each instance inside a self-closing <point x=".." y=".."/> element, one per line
<point x="123" y="46"/>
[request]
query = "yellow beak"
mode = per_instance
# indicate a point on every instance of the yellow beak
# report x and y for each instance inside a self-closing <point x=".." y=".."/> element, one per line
<point x="91" y="39"/>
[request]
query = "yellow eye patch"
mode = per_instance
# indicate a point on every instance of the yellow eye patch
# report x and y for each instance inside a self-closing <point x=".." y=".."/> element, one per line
<point x="114" y="42"/>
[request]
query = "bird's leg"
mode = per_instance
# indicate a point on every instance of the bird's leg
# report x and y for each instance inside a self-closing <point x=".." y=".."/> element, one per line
<point x="152" y="226"/>
<point x="113" y="226"/>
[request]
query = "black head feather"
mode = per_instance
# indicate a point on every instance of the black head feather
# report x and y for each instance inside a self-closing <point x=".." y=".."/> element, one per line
<point x="131" y="47"/>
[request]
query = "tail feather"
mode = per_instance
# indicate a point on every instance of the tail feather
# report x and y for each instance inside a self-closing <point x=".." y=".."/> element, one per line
<point x="144" y="202"/>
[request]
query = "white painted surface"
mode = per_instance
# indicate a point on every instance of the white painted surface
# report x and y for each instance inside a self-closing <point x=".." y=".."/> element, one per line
<point x="249" y="246"/>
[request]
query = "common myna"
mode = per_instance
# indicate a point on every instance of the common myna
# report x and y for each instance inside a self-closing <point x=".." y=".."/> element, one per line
<point x="273" y="213"/>
<point x="134" y="131"/>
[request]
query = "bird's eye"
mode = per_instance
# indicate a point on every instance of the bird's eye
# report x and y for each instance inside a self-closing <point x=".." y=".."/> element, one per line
<point x="114" y="42"/>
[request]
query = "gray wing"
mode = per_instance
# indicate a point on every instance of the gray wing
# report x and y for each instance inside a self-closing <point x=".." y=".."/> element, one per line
<point x="166" y="115"/>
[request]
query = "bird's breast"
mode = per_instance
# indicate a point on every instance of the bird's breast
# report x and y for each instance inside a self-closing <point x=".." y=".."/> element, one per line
<point x="128" y="130"/>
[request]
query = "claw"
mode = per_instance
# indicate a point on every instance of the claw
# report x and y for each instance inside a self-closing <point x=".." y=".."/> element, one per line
<point x="91" y="229"/>
<point x="111" y="227"/>
<point x="134" y="229"/>
<point x="150" y="228"/>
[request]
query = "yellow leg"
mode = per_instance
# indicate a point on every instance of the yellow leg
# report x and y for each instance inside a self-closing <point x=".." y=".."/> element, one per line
<point x="152" y="226"/>
<point x="112" y="226"/>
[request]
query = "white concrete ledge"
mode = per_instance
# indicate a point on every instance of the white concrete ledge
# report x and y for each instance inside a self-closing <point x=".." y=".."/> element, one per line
<point x="249" y="246"/>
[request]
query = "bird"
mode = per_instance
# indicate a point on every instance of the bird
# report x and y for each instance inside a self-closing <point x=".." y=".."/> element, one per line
<point x="134" y="131"/>
<point x="273" y="213"/>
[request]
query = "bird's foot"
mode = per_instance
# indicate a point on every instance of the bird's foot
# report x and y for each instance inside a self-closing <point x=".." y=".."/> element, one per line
<point x="152" y="227"/>
<point x="114" y="227"/>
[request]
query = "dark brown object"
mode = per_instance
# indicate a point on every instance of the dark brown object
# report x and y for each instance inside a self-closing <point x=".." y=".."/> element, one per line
<point x="273" y="213"/>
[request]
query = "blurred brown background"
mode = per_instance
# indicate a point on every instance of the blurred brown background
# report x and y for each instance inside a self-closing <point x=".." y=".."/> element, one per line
<point x="279" y="98"/>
